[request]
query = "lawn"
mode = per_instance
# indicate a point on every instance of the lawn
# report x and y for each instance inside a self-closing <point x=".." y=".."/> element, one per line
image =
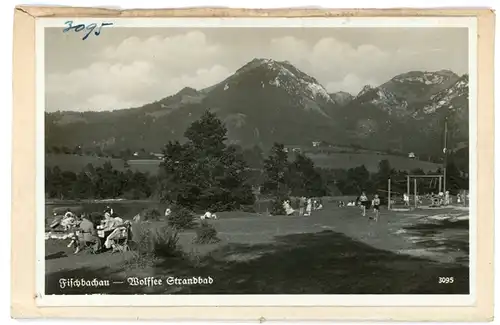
<point x="335" y="251"/>
<point x="370" y="160"/>
<point x="76" y="163"/>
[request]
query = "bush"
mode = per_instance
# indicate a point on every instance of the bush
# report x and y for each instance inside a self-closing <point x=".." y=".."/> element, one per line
<point x="151" y="214"/>
<point x="151" y="243"/>
<point x="206" y="234"/>
<point x="181" y="218"/>
<point x="276" y="208"/>
<point x="248" y="208"/>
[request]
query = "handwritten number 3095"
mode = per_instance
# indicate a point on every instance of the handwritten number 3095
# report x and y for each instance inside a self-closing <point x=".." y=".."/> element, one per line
<point x="88" y="29"/>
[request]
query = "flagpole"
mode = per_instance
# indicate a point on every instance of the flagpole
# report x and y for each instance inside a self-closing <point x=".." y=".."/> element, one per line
<point x="445" y="151"/>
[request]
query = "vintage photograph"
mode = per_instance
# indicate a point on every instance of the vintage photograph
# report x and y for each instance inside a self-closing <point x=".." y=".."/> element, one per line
<point x="267" y="160"/>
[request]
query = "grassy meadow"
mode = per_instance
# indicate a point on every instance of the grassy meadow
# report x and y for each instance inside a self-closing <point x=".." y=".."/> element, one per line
<point x="335" y="251"/>
<point x="75" y="163"/>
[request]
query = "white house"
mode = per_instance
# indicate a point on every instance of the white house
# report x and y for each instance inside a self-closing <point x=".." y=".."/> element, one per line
<point x="157" y="155"/>
<point x="411" y="155"/>
<point x="316" y="143"/>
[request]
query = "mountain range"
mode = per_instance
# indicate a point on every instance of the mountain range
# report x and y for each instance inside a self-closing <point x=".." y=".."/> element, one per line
<point x="267" y="101"/>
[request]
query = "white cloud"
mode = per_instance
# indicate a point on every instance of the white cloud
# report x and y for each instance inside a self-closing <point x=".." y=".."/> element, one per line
<point x="179" y="52"/>
<point x="337" y="65"/>
<point x="351" y="84"/>
<point x="140" y="70"/>
<point x="141" y="73"/>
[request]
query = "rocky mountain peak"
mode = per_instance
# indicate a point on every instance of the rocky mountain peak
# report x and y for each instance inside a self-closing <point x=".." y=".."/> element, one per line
<point x="365" y="90"/>
<point x="341" y="98"/>
<point x="281" y="75"/>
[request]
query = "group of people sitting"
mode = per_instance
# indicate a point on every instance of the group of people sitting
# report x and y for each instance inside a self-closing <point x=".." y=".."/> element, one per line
<point x="436" y="199"/>
<point x="440" y="199"/>
<point x="305" y="206"/>
<point x="98" y="233"/>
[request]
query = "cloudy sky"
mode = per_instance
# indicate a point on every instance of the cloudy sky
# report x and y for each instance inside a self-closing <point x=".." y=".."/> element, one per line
<point x="129" y="67"/>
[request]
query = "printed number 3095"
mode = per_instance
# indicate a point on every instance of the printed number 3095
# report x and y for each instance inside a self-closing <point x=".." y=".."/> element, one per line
<point x="446" y="280"/>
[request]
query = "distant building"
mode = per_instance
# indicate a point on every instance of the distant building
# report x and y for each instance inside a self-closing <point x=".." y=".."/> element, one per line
<point x="411" y="155"/>
<point x="157" y="155"/>
<point x="316" y="143"/>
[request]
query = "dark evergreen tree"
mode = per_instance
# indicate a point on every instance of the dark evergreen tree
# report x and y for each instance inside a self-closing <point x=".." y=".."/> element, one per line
<point x="276" y="167"/>
<point x="204" y="173"/>
<point x="304" y="179"/>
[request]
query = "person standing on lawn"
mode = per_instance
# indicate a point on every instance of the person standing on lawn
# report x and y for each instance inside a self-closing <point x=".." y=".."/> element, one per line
<point x="365" y="203"/>
<point x="302" y="206"/>
<point x="376" y="206"/>
<point x="406" y="199"/>
<point x="308" y="207"/>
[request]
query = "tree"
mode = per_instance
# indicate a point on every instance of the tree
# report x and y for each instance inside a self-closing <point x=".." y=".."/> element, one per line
<point x="102" y="182"/>
<point x="108" y="181"/>
<point x="83" y="187"/>
<point x="207" y="134"/>
<point x="68" y="178"/>
<point x="253" y="157"/>
<point x="417" y="171"/>
<point x="384" y="173"/>
<point x="204" y="173"/>
<point x="175" y="171"/>
<point x="361" y="178"/>
<point x="276" y="171"/>
<point x="305" y="180"/>
<point x="454" y="179"/>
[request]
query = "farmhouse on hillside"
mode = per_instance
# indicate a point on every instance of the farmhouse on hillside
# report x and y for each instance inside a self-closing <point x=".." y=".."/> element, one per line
<point x="157" y="155"/>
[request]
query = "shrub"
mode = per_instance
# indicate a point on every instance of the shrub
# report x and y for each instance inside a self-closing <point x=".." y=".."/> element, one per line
<point x="151" y="214"/>
<point x="248" y="208"/>
<point x="181" y="218"/>
<point x="165" y="241"/>
<point x="276" y="207"/>
<point x="206" y="234"/>
<point x="153" y="242"/>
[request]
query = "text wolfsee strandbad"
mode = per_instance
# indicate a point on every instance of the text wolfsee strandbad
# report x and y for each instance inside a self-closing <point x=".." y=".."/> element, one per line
<point x="137" y="282"/>
<point x="151" y="281"/>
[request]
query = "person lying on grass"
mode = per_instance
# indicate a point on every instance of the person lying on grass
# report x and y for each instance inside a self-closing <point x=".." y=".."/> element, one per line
<point x="208" y="215"/>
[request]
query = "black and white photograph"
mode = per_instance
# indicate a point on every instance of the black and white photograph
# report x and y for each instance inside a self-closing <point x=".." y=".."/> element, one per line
<point x="219" y="157"/>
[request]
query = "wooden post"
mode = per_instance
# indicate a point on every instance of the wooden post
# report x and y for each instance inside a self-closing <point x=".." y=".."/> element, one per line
<point x="389" y="195"/>
<point x="415" y="191"/>
<point x="408" y="186"/>
<point x="440" y="181"/>
<point x="445" y="151"/>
